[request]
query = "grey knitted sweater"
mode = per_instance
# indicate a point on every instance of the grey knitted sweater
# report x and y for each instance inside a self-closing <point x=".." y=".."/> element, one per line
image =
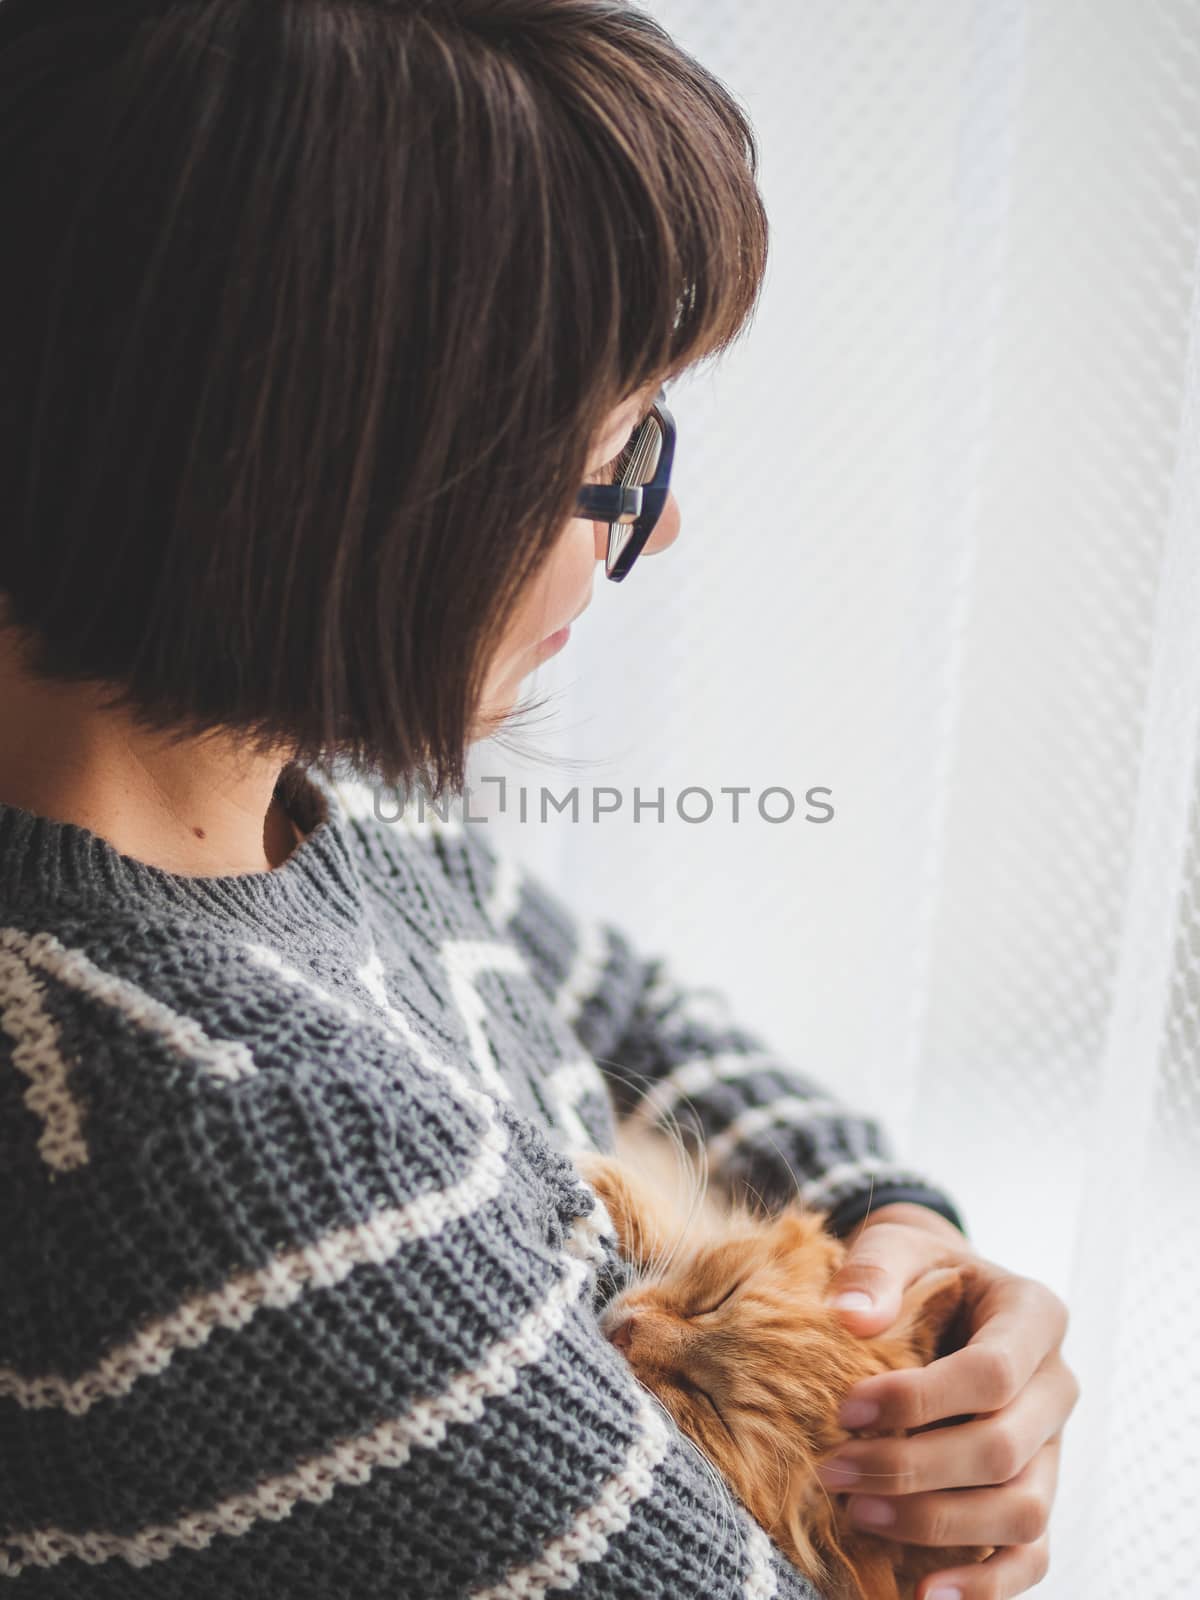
<point x="298" y="1285"/>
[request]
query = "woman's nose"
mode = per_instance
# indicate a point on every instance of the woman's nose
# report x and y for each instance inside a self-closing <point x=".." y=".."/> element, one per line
<point x="666" y="529"/>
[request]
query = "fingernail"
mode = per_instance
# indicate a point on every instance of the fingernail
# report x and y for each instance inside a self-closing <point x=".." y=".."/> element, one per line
<point x="854" y="1300"/>
<point x="835" y="1474"/>
<point x="944" y="1592"/>
<point x="858" y="1414"/>
<point x="873" y="1513"/>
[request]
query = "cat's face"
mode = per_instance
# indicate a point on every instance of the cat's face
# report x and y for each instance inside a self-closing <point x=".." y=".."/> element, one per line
<point x="734" y="1338"/>
<point x="728" y="1326"/>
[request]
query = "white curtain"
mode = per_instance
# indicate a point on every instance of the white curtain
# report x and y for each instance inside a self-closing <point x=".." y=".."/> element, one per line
<point x="941" y="556"/>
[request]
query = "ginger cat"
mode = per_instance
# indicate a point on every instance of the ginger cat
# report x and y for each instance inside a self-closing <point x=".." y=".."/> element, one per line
<point x="727" y="1327"/>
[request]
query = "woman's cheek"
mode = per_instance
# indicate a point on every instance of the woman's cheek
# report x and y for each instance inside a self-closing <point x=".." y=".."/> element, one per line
<point x="572" y="569"/>
<point x="564" y="586"/>
<point x="560" y="592"/>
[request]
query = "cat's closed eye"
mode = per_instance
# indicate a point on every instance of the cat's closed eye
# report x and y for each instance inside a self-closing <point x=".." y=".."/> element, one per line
<point x="689" y="1386"/>
<point x="708" y="1310"/>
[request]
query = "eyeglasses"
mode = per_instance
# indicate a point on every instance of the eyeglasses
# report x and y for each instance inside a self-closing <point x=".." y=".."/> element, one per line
<point x="634" y="501"/>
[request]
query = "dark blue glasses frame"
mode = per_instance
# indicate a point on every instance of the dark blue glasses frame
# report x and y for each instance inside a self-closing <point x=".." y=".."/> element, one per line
<point x="632" y="509"/>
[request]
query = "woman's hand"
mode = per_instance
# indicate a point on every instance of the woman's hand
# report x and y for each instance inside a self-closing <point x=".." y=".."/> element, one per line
<point x="988" y="1481"/>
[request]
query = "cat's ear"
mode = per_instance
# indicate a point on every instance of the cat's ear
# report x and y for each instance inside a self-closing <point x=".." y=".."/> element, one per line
<point x="795" y="1228"/>
<point x="927" y="1309"/>
<point x="798" y="1242"/>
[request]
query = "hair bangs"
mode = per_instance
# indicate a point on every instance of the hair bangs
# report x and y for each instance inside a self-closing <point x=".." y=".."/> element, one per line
<point x="676" y="253"/>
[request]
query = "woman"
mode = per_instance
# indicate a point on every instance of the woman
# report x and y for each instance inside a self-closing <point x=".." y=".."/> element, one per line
<point x="318" y="315"/>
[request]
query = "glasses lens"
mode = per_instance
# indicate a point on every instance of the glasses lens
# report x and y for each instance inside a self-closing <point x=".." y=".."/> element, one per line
<point x="641" y="463"/>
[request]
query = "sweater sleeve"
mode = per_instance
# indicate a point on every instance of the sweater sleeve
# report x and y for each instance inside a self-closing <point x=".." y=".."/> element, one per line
<point x="289" y="1332"/>
<point x="675" y="1053"/>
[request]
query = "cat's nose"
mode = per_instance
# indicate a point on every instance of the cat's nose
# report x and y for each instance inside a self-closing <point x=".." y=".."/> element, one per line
<point x="622" y="1334"/>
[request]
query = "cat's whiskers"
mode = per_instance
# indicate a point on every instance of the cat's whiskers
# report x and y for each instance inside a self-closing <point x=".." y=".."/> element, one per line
<point x="896" y="1476"/>
<point x="791" y="1171"/>
<point x="697" y="1175"/>
<point x="825" y="1495"/>
<point x="684" y="1165"/>
<point x="785" y="1470"/>
<point x="660" y="1263"/>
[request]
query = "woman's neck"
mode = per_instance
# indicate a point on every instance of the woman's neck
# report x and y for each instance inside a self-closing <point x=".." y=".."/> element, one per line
<point x="196" y="806"/>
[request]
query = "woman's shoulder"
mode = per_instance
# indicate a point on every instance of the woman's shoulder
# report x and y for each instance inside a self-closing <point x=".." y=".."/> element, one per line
<point x="163" y="1009"/>
<point x="177" y="1111"/>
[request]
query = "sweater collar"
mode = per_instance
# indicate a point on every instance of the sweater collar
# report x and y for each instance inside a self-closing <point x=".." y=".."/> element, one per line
<point x="43" y="861"/>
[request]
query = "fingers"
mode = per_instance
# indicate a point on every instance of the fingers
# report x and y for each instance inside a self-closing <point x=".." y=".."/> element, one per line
<point x="1017" y="1324"/>
<point x="883" y="1260"/>
<point x="1015" y="1513"/>
<point x="989" y="1450"/>
<point x="1007" y="1573"/>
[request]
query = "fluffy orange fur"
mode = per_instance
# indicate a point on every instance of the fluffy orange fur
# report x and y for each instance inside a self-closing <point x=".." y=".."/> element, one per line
<point x="728" y="1327"/>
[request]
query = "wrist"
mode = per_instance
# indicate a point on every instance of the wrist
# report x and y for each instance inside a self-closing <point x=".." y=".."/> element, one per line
<point x="908" y="1214"/>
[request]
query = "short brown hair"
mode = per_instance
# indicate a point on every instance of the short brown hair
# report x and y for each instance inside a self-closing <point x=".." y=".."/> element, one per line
<point x="311" y="311"/>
